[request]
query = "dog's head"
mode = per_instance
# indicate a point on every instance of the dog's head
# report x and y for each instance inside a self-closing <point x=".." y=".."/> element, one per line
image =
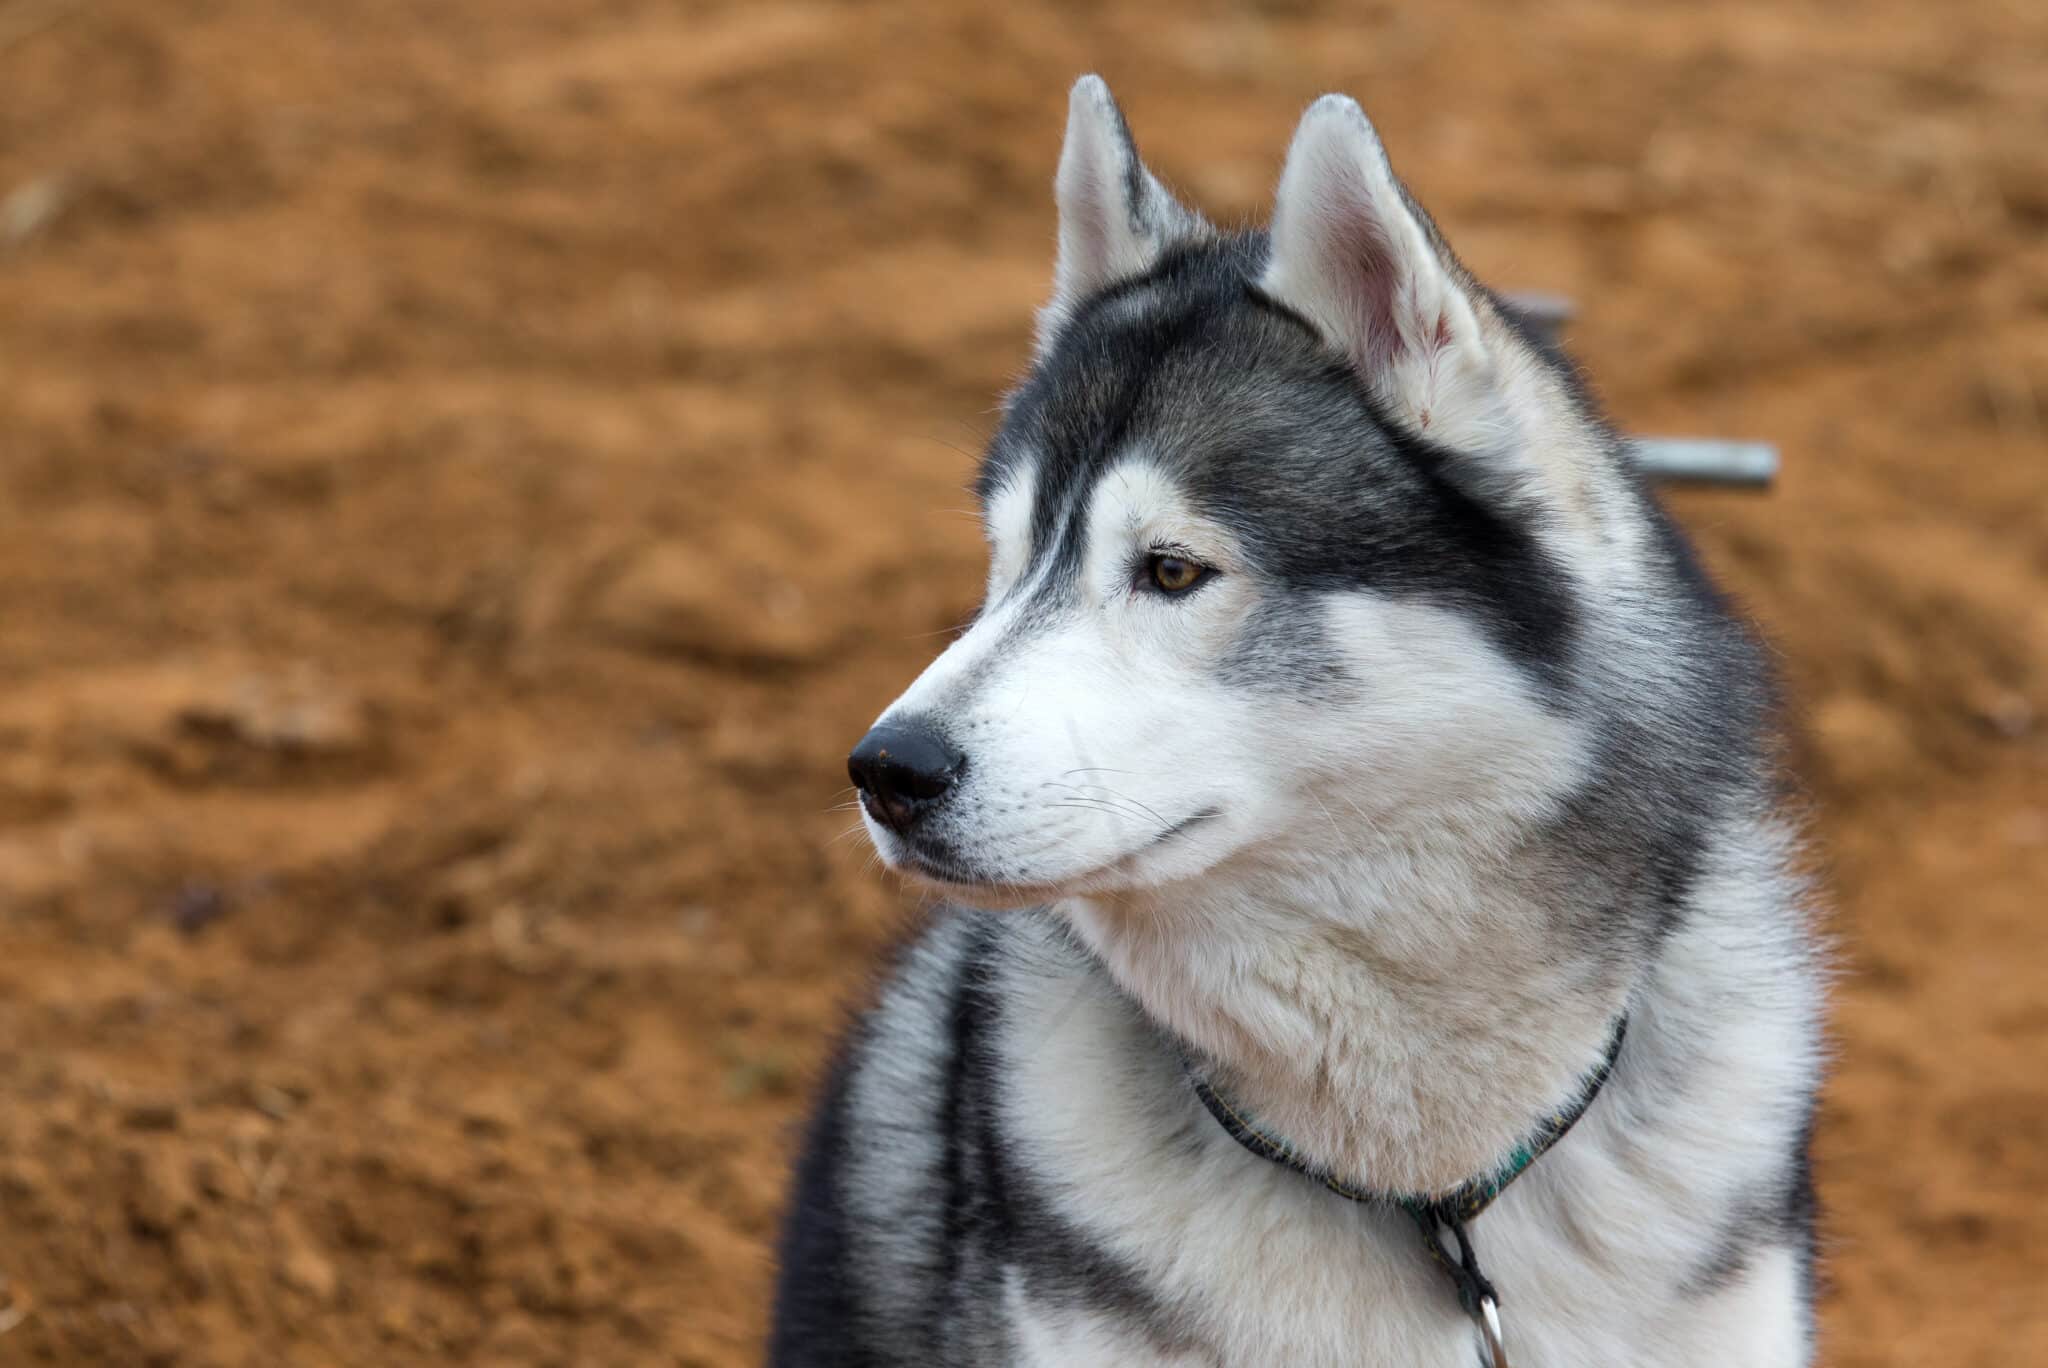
<point x="1291" y="537"/>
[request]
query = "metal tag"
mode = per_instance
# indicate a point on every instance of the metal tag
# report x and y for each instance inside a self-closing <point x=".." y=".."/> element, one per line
<point x="1489" y="1331"/>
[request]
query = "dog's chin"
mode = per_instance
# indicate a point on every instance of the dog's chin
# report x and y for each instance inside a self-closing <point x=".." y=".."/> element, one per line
<point x="947" y="878"/>
<point x="991" y="894"/>
<point x="1164" y="859"/>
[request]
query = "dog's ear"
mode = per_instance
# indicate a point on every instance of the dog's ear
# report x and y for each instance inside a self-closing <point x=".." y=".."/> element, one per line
<point x="1115" y="216"/>
<point x="1352" y="253"/>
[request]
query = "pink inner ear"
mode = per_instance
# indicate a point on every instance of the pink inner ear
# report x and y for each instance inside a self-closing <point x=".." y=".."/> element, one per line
<point x="1369" y="272"/>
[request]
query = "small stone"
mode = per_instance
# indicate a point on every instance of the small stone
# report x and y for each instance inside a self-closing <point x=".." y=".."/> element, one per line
<point x="2010" y="715"/>
<point x="157" y="1192"/>
<point x="31" y="208"/>
<point x="150" y="1116"/>
<point x="274" y="1102"/>
<point x="196" y="907"/>
<point x="303" y="1266"/>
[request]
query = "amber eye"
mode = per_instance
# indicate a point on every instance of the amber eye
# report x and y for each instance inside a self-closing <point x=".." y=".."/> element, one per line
<point x="1174" y="574"/>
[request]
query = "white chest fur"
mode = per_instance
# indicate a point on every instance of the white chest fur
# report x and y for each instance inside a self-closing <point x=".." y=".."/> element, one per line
<point x="1599" y="1251"/>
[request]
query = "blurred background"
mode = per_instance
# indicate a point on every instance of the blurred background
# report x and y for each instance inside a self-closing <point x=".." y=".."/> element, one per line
<point x="469" y="470"/>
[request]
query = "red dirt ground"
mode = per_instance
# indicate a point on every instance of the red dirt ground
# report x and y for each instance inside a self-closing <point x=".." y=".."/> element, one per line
<point x="468" y="471"/>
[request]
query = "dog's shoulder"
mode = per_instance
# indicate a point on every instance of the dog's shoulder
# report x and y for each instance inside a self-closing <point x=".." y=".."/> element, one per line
<point x="865" y="1214"/>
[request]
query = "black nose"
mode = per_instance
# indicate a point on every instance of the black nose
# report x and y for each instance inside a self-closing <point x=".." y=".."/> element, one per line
<point x="902" y="768"/>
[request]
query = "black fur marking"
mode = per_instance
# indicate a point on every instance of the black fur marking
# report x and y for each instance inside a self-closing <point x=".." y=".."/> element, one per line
<point x="995" y="1216"/>
<point x="965" y="1025"/>
<point x="1059" y="1262"/>
<point x="1802" y="1213"/>
<point x="815" y="1304"/>
<point x="1735" y="1249"/>
<point x="1273" y="435"/>
<point x="1668" y="770"/>
<point x="1787" y="1214"/>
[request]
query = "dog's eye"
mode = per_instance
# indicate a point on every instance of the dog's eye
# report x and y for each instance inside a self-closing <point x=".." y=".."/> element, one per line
<point x="1173" y="574"/>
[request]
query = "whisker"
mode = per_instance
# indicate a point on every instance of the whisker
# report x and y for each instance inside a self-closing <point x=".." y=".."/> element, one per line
<point x="1085" y="805"/>
<point x="1107" y="809"/>
<point x="943" y="631"/>
<point x="1125" y="798"/>
<point x="937" y="440"/>
<point x="1110" y="804"/>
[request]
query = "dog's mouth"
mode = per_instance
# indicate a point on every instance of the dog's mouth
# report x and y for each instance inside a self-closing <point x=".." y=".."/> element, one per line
<point x="950" y="873"/>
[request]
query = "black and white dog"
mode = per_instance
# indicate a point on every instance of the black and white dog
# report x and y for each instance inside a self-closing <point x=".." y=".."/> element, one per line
<point x="1385" y="929"/>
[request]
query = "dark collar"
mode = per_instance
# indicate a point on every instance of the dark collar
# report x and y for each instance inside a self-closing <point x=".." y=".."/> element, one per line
<point x="1434" y="1213"/>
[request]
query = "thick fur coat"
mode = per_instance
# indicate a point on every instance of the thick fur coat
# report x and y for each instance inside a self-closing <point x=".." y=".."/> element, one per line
<point x="1346" y="722"/>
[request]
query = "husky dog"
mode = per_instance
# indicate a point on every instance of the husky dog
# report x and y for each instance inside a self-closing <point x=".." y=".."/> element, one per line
<point x="1349" y="781"/>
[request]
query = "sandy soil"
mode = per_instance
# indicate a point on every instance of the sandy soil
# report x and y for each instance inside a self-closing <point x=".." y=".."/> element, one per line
<point x="468" y="472"/>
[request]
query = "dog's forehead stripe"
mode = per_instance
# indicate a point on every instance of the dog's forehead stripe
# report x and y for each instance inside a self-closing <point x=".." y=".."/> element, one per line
<point x="1088" y="419"/>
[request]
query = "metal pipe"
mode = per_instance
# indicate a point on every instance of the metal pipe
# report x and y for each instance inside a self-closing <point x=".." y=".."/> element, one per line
<point x="1705" y="460"/>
